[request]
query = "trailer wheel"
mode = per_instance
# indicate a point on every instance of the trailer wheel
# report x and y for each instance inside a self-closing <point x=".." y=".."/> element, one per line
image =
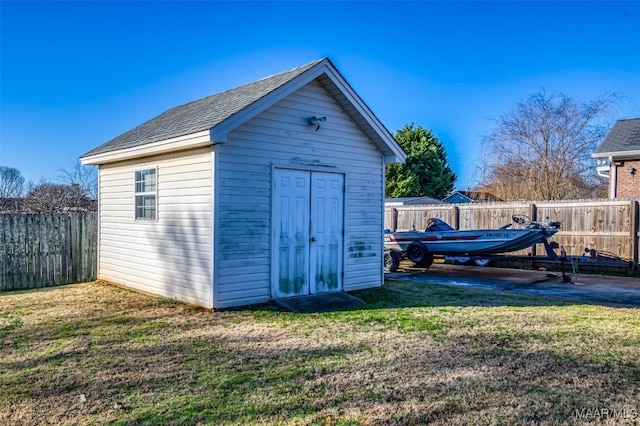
<point x="460" y="260"/>
<point x="391" y="261"/>
<point x="482" y="262"/>
<point x="419" y="254"/>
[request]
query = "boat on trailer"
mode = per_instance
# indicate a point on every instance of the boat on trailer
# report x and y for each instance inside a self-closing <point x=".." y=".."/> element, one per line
<point x="439" y="238"/>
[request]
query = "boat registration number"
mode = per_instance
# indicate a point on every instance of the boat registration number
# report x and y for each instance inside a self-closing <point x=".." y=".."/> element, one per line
<point x="498" y="235"/>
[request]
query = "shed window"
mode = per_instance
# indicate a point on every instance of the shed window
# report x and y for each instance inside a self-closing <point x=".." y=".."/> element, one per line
<point x="146" y="194"/>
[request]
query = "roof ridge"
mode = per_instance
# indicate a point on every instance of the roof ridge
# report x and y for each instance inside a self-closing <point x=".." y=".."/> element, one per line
<point x="310" y="64"/>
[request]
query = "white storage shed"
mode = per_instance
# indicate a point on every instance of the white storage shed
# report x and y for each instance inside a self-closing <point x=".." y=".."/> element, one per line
<point x="270" y="190"/>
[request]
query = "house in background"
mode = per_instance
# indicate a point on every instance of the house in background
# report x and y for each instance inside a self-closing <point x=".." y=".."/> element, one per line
<point x="619" y="158"/>
<point x="470" y="197"/>
<point x="411" y="201"/>
<point x="270" y="190"/>
<point x="453" y="198"/>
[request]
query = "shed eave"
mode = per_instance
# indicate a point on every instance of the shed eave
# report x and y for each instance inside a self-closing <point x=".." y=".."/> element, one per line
<point x="365" y="118"/>
<point x="393" y="158"/>
<point x="180" y="143"/>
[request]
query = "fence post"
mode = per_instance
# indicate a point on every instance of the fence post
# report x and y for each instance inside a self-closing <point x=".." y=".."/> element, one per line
<point x="394" y="220"/>
<point x="533" y="214"/>
<point x="456" y="217"/>
<point x="635" y="230"/>
<point x="3" y="239"/>
<point x="20" y="250"/>
<point x="28" y="269"/>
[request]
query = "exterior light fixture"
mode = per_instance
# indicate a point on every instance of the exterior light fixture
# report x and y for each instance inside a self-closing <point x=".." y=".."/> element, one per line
<point x="631" y="170"/>
<point x="315" y="121"/>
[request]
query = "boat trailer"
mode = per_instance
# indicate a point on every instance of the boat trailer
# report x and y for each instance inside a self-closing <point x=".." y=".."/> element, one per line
<point x="590" y="259"/>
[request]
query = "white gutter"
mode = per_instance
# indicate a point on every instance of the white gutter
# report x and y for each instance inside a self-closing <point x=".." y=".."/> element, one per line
<point x="619" y="155"/>
<point x="603" y="171"/>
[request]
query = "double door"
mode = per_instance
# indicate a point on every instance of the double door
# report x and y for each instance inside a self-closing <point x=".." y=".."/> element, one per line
<point x="308" y="228"/>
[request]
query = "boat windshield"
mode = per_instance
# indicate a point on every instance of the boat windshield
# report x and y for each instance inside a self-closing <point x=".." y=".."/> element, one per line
<point x="435" y="224"/>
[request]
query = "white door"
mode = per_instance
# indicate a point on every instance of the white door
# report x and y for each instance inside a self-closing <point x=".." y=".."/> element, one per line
<point x="308" y="224"/>
<point x="325" y="267"/>
<point x="291" y="233"/>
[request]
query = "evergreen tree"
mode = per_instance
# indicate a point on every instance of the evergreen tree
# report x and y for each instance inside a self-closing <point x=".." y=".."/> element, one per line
<point x="426" y="171"/>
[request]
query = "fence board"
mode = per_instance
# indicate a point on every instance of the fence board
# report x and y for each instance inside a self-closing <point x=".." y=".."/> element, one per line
<point x="416" y="217"/>
<point x="39" y="250"/>
<point x="608" y="226"/>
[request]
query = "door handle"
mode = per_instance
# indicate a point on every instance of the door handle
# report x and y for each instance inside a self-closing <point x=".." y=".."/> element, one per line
<point x="313" y="239"/>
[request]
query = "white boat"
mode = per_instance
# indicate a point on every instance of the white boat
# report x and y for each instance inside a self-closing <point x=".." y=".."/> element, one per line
<point x="441" y="239"/>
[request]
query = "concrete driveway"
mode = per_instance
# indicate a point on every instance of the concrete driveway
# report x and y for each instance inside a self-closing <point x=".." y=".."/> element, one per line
<point x="601" y="289"/>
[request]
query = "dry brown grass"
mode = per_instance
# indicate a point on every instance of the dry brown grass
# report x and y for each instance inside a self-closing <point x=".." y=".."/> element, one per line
<point x="95" y="354"/>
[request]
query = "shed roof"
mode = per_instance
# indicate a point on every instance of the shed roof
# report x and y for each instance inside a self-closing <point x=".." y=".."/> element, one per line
<point x="622" y="139"/>
<point x="222" y="112"/>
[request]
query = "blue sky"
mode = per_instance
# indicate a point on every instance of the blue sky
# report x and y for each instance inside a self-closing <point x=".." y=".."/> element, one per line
<point x="77" y="74"/>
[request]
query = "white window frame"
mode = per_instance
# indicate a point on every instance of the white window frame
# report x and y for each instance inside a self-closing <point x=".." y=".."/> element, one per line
<point x="142" y="194"/>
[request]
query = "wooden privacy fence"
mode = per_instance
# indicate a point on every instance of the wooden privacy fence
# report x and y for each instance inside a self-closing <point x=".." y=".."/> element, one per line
<point x="608" y="226"/>
<point x="40" y="250"/>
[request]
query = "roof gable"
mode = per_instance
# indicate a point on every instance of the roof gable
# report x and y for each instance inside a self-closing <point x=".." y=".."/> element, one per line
<point x="622" y="139"/>
<point x="215" y="116"/>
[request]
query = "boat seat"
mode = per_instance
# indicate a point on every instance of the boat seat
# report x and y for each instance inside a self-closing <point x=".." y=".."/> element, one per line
<point x="435" y="225"/>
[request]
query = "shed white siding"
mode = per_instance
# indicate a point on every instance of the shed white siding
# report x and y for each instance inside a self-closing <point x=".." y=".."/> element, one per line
<point x="172" y="256"/>
<point x="281" y="137"/>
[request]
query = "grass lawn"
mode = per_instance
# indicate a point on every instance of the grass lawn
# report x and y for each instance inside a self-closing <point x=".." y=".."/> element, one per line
<point x="416" y="354"/>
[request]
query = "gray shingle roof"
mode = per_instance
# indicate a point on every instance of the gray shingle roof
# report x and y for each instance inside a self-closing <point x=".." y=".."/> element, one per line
<point x="200" y="115"/>
<point x="623" y="136"/>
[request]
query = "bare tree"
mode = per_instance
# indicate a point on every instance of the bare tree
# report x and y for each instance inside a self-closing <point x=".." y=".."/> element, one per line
<point x="86" y="177"/>
<point x="11" y="188"/>
<point x="49" y="197"/>
<point x="541" y="149"/>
